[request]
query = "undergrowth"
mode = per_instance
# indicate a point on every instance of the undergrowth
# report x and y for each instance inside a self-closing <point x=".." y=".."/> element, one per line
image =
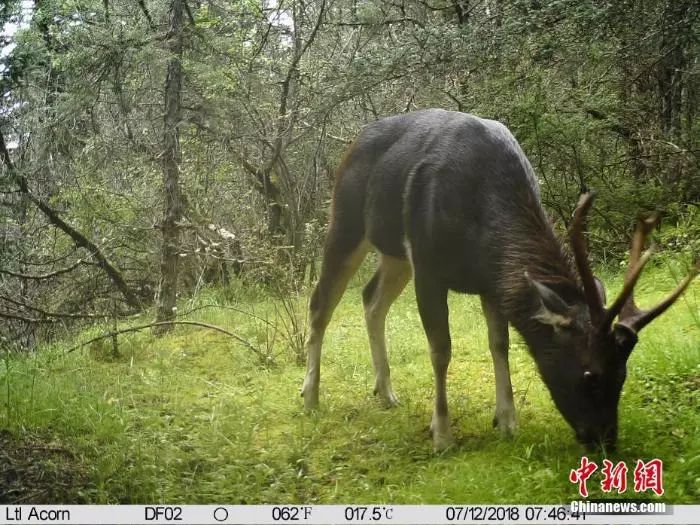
<point x="194" y="417"/>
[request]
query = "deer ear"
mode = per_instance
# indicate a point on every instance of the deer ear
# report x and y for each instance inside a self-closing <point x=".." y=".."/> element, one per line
<point x="553" y="309"/>
<point x="625" y="339"/>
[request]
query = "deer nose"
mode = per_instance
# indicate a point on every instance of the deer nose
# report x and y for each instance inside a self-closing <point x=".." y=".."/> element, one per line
<point x="609" y="440"/>
<point x="587" y="439"/>
<point x="595" y="440"/>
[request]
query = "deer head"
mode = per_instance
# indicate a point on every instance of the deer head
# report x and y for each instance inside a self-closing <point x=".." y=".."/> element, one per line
<point x="593" y="342"/>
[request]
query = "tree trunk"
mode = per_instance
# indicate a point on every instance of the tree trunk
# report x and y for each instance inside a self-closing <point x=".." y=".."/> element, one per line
<point x="675" y="41"/>
<point x="173" y="203"/>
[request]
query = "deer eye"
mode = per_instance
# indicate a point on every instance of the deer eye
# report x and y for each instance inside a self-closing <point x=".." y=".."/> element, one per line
<point x="566" y="331"/>
<point x="572" y="327"/>
<point x="592" y="384"/>
<point x="589" y="379"/>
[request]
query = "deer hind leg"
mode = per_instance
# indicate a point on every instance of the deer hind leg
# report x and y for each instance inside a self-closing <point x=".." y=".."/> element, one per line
<point x="432" y="305"/>
<point x="382" y="290"/>
<point x="340" y="262"/>
<point x="504" y="419"/>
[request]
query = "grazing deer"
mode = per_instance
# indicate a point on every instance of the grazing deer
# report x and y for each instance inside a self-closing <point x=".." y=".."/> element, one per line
<point x="452" y="200"/>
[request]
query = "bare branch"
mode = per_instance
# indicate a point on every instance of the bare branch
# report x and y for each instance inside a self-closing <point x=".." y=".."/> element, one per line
<point x="189" y="14"/>
<point x="113" y="333"/>
<point x="29" y="320"/>
<point x="44" y="276"/>
<point x="203" y="306"/>
<point x="144" y="10"/>
<point x="57" y="315"/>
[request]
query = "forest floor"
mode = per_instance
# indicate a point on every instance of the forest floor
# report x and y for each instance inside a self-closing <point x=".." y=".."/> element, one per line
<point x="194" y="417"/>
<point x="36" y="470"/>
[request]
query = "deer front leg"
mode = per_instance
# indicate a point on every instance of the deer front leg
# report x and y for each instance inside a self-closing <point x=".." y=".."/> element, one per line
<point x="504" y="419"/>
<point x="432" y="305"/>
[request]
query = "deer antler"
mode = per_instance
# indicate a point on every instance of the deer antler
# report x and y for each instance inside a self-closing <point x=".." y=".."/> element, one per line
<point x="644" y="317"/>
<point x="578" y="243"/>
<point x="624" y="304"/>
<point x="630" y="315"/>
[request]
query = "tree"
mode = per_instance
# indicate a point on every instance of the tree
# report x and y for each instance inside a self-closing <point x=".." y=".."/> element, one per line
<point x="173" y="204"/>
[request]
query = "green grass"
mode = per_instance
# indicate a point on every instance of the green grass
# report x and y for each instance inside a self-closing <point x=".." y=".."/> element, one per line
<point x="195" y="418"/>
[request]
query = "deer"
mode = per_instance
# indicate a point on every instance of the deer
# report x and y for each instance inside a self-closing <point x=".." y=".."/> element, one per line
<point x="450" y="200"/>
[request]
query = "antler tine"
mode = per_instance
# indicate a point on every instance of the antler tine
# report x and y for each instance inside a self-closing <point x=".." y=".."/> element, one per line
<point x="578" y="243"/>
<point x="624" y="304"/>
<point x="640" y="318"/>
<point x="644" y="228"/>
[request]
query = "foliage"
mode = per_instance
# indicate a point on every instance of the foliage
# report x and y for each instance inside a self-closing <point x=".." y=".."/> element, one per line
<point x="600" y="95"/>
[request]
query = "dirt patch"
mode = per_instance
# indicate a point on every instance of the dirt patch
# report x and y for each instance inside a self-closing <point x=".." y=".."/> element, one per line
<point x="38" y="470"/>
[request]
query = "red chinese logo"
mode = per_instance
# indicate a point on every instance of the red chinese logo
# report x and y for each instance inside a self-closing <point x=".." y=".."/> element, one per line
<point x="614" y="477"/>
<point x="581" y="475"/>
<point x="647" y="476"/>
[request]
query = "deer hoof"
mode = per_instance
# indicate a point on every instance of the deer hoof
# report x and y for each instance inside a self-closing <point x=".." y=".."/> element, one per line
<point x="310" y="394"/>
<point x="387" y="396"/>
<point x="505" y="423"/>
<point x="442" y="442"/>
<point x="442" y="437"/>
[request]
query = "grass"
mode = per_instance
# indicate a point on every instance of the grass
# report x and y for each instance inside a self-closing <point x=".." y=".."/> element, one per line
<point x="194" y="418"/>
